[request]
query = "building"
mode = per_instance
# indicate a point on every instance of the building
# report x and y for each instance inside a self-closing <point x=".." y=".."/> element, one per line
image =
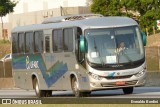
<point x="27" y="14"/>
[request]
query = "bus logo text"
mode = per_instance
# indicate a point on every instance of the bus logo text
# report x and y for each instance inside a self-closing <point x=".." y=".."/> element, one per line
<point x="31" y="64"/>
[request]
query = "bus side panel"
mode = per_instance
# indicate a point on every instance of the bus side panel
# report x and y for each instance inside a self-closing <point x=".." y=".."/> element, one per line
<point x="19" y="72"/>
<point x="24" y="67"/>
<point x="55" y="70"/>
<point x="23" y="79"/>
<point x="53" y="76"/>
<point x="77" y="70"/>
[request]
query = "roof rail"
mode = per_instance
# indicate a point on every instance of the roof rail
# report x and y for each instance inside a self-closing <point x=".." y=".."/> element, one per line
<point x="70" y="18"/>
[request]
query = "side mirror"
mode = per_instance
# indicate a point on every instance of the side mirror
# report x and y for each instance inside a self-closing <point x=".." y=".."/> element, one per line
<point x="82" y="44"/>
<point x="144" y="39"/>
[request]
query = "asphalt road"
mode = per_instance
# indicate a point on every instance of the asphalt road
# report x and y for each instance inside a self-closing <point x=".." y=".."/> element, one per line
<point x="139" y="92"/>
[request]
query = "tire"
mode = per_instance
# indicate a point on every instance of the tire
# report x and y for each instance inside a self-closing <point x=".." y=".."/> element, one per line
<point x="128" y="90"/>
<point x="75" y="88"/>
<point x="48" y="93"/>
<point x="39" y="93"/>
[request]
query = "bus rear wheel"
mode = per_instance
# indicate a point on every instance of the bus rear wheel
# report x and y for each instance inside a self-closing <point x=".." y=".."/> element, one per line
<point x="40" y="93"/>
<point x="128" y="90"/>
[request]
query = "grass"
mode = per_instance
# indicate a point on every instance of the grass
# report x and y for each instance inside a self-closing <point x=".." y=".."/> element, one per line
<point x="5" y="42"/>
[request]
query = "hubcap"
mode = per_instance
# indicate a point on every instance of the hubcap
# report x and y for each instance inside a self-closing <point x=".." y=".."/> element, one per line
<point x="37" y="88"/>
<point x="75" y="86"/>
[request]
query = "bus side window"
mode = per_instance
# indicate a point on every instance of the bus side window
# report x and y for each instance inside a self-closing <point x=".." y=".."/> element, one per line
<point x="68" y="39"/>
<point x="14" y="43"/>
<point x="29" y="42"/>
<point x="57" y="40"/>
<point x="38" y="41"/>
<point x="21" y="43"/>
<point x="47" y="44"/>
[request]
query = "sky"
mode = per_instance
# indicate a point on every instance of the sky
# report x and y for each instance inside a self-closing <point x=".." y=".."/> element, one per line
<point x="36" y="5"/>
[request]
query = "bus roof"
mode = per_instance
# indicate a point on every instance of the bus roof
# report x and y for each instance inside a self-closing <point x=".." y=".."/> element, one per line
<point x="84" y="23"/>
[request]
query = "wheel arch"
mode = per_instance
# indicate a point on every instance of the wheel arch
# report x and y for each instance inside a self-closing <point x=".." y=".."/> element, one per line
<point x="73" y="75"/>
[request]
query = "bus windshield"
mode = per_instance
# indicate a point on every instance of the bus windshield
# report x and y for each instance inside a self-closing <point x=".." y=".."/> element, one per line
<point x="114" y="45"/>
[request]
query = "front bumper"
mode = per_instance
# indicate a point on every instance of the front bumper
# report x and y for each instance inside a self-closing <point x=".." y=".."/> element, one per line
<point x="104" y="84"/>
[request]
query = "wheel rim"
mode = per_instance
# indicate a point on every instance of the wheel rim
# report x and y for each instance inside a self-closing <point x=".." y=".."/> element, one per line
<point x="37" y="88"/>
<point x="75" y="87"/>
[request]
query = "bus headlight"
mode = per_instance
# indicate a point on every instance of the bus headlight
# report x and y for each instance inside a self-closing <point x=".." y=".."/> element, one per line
<point x="140" y="73"/>
<point x="95" y="76"/>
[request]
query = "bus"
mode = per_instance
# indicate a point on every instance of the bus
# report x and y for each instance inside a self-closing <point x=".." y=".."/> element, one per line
<point x="80" y="53"/>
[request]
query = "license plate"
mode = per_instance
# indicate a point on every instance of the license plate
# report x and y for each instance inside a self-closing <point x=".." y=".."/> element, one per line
<point x="120" y="83"/>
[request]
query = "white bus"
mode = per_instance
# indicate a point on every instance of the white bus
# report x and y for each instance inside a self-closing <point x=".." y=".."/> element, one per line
<point x="82" y="53"/>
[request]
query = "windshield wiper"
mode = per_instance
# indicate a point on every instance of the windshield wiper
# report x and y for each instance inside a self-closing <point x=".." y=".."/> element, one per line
<point x="100" y="58"/>
<point x="129" y="59"/>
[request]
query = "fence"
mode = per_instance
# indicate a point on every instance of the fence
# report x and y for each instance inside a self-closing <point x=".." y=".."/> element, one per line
<point x="153" y="58"/>
<point x="5" y="69"/>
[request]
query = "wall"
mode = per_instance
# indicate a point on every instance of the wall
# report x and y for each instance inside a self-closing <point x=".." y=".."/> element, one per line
<point x="37" y="17"/>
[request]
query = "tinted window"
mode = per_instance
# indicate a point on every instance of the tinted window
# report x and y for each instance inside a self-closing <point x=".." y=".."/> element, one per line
<point x="21" y="43"/>
<point x="68" y="39"/>
<point x="38" y="38"/>
<point x="57" y="40"/>
<point x="14" y="43"/>
<point x="29" y="42"/>
<point x="47" y="44"/>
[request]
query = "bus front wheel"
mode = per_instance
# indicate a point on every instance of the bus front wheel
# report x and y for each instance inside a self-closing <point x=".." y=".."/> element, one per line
<point x="128" y="90"/>
<point x="75" y="88"/>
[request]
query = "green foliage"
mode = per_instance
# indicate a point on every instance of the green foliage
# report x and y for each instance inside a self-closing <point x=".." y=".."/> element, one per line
<point x="6" y="6"/>
<point x="145" y="5"/>
<point x="5" y="42"/>
<point x="148" y="20"/>
<point x="106" y="7"/>
<point x="149" y="10"/>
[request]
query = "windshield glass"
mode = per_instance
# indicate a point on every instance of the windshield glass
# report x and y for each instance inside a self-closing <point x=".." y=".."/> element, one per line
<point x="114" y="45"/>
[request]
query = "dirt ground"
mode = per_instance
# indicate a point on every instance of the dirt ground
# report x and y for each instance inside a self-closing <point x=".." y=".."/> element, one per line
<point x="6" y="83"/>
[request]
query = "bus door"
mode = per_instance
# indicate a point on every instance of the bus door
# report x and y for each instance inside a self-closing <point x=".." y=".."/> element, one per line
<point x="48" y="58"/>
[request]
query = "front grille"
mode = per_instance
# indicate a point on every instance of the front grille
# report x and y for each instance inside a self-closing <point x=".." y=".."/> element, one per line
<point x="113" y="84"/>
<point x="119" y="77"/>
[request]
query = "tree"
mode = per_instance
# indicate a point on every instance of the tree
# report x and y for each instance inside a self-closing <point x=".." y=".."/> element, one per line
<point x="106" y="7"/>
<point x="143" y="6"/>
<point x="149" y="13"/>
<point x="148" y="20"/>
<point x="128" y="5"/>
<point x="148" y="10"/>
<point x="6" y="7"/>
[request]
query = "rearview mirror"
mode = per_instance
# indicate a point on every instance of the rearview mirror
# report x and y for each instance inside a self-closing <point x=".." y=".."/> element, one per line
<point x="144" y="39"/>
<point x="82" y="44"/>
